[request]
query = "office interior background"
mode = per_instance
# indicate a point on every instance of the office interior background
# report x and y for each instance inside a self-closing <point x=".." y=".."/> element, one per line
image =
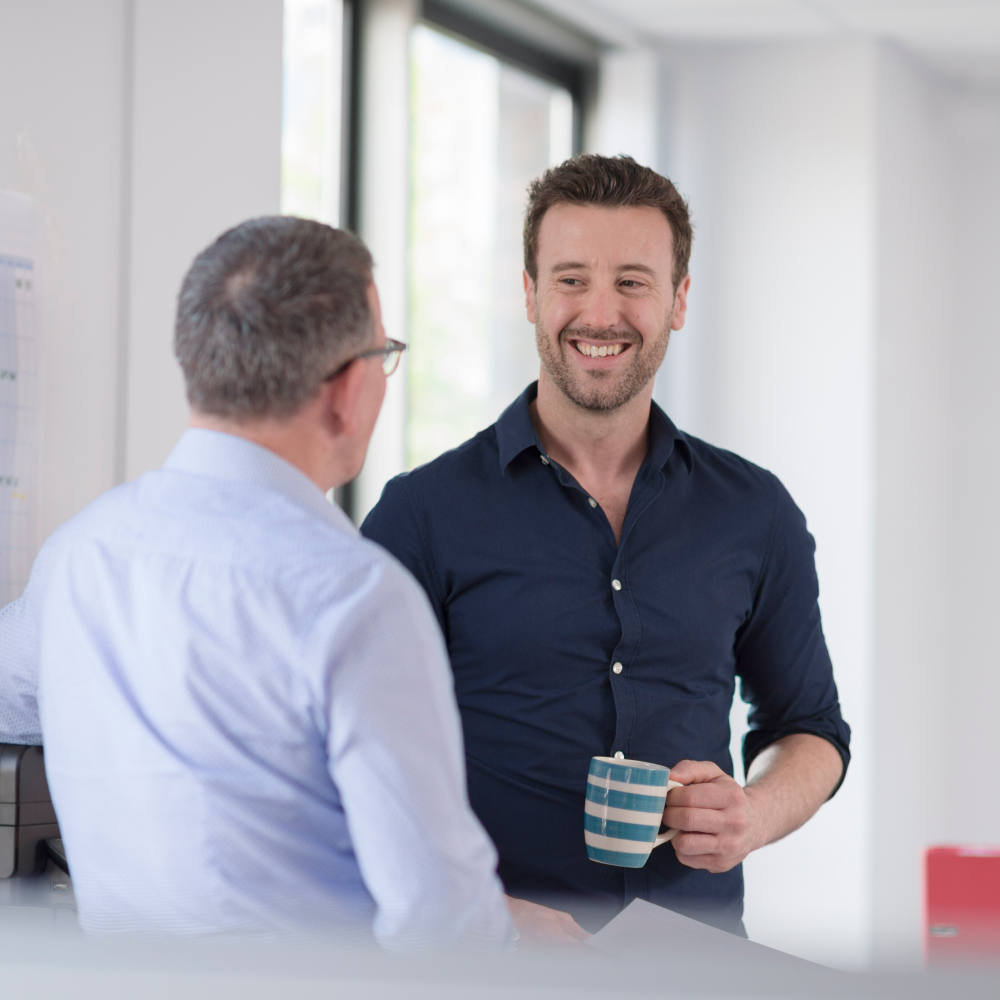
<point x="842" y="162"/>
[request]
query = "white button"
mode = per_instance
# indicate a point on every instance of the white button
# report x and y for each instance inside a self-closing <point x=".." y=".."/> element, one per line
<point x="619" y="755"/>
<point x="592" y="501"/>
<point x="545" y="461"/>
<point x="617" y="668"/>
<point x="616" y="585"/>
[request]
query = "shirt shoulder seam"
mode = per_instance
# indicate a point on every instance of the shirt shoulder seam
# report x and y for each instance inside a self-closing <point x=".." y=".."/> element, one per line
<point x="770" y="538"/>
<point x="424" y="540"/>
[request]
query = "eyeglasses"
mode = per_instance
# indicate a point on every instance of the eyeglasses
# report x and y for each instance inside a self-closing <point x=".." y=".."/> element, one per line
<point x="390" y="354"/>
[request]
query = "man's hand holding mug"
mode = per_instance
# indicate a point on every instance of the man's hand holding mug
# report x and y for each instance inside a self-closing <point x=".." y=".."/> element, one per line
<point x="714" y="816"/>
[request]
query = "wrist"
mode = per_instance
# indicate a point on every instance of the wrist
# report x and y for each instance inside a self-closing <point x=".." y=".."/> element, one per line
<point x="757" y="832"/>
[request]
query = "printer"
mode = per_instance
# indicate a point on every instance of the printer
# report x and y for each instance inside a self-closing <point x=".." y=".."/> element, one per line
<point x="29" y="832"/>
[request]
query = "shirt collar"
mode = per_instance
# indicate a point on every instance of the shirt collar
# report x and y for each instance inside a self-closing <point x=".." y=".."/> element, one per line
<point x="516" y="433"/>
<point x="218" y="455"/>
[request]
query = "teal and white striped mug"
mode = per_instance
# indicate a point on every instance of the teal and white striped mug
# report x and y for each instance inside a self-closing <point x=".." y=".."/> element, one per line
<point x="624" y="810"/>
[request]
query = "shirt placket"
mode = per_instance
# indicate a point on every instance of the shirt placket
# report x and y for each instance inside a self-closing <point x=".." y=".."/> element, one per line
<point x="633" y="880"/>
<point x="625" y="651"/>
<point x="635" y="883"/>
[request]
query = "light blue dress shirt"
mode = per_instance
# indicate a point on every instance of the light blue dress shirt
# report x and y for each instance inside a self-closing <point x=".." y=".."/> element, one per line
<point x="247" y="712"/>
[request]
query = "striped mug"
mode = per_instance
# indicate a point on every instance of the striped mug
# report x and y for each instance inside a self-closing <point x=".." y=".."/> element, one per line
<point x="624" y="809"/>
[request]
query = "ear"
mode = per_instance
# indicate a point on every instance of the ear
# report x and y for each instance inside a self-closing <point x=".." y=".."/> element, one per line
<point x="680" y="303"/>
<point x="529" y="297"/>
<point x="340" y="399"/>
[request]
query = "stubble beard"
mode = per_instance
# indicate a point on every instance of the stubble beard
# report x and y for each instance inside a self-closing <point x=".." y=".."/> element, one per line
<point x="602" y="391"/>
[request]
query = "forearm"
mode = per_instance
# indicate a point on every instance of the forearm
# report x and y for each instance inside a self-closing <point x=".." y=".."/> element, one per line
<point x="720" y="822"/>
<point x="788" y="782"/>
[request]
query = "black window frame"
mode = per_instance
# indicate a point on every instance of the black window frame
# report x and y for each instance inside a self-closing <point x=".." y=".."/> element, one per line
<point x="578" y="77"/>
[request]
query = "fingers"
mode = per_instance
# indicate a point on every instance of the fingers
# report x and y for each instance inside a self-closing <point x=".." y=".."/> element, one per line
<point x="711" y="813"/>
<point x="570" y="927"/>
<point x="693" y="771"/>
<point x="721" y="793"/>
<point x="698" y="820"/>
<point x="542" y="925"/>
<point x="693" y="845"/>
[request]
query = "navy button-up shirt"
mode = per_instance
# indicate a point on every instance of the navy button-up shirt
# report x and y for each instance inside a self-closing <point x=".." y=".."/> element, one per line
<point x="713" y="579"/>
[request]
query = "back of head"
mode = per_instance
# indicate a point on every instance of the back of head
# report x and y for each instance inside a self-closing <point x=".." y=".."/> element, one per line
<point x="607" y="182"/>
<point x="266" y="312"/>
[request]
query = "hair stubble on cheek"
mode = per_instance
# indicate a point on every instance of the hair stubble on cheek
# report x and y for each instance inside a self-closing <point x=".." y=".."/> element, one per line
<point x="602" y="390"/>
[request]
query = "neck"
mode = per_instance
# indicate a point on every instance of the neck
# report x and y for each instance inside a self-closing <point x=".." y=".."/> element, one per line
<point x="297" y="440"/>
<point x="597" y="447"/>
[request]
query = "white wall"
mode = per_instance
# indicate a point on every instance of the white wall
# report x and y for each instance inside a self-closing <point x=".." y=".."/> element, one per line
<point x="628" y="105"/>
<point x="206" y="135"/>
<point x="971" y="330"/>
<point x="774" y="147"/>
<point x="937" y="684"/>
<point x="915" y="412"/>
<point x="197" y="86"/>
<point x="60" y="135"/>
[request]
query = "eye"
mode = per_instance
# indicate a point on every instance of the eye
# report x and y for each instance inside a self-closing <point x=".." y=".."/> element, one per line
<point x="631" y="283"/>
<point x="570" y="281"/>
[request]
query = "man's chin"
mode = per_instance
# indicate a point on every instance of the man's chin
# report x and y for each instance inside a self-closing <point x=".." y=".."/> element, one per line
<point x="585" y="398"/>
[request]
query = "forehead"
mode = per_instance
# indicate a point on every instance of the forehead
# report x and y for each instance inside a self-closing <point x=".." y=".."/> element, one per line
<point x="591" y="233"/>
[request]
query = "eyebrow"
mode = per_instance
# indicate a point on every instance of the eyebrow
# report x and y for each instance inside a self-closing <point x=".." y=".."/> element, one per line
<point x="573" y="265"/>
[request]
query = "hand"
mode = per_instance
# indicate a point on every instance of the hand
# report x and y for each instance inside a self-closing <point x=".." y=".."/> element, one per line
<point x="541" y="925"/>
<point x="715" y="815"/>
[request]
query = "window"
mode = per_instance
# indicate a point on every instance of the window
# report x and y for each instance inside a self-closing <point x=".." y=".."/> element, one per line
<point x="311" y="115"/>
<point x="481" y="130"/>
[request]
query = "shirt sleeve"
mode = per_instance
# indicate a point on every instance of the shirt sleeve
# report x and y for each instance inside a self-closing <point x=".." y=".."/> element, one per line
<point x="393" y="524"/>
<point x="396" y="757"/>
<point x="781" y="655"/>
<point x="19" y="721"/>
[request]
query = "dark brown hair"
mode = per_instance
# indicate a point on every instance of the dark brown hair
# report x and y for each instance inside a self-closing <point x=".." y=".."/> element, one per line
<point x="266" y="311"/>
<point x="611" y="182"/>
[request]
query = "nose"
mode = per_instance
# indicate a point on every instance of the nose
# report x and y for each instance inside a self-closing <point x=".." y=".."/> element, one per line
<point x="600" y="308"/>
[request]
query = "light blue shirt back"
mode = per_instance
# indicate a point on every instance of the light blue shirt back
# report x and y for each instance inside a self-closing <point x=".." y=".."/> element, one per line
<point x="247" y="712"/>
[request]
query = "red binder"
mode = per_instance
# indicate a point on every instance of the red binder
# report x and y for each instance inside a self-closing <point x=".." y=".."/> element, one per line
<point x="962" y="918"/>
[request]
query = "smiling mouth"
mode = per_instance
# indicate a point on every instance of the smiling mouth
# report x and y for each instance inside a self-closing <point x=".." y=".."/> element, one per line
<point x="600" y="350"/>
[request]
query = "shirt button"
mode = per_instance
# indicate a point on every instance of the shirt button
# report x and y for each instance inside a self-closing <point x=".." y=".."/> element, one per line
<point x="545" y="461"/>
<point x="617" y="668"/>
<point x="592" y="501"/>
<point x="619" y="755"/>
<point x="616" y="585"/>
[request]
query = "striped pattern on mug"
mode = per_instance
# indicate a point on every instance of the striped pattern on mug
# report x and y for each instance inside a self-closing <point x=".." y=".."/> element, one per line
<point x="624" y="809"/>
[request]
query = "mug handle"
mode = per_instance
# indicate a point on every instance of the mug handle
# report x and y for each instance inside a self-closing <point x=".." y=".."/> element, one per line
<point x="668" y="834"/>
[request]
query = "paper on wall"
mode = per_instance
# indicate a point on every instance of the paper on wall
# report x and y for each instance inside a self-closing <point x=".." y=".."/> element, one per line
<point x="19" y="359"/>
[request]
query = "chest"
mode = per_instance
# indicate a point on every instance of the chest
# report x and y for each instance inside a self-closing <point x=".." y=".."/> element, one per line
<point x="549" y="601"/>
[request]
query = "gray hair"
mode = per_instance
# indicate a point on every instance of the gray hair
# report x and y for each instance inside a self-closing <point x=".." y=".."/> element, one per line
<point x="266" y="312"/>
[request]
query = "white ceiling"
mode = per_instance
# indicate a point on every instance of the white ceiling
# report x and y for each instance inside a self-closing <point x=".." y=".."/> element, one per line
<point x="959" y="36"/>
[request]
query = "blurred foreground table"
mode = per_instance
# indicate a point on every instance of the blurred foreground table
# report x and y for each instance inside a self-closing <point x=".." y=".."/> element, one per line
<point x="42" y="958"/>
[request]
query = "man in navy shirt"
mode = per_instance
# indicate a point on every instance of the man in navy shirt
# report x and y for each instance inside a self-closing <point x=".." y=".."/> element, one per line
<point x="603" y="579"/>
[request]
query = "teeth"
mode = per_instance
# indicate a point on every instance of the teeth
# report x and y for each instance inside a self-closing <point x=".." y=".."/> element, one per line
<point x="593" y="351"/>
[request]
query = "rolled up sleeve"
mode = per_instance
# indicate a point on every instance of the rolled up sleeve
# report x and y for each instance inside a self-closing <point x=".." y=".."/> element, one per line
<point x="781" y="655"/>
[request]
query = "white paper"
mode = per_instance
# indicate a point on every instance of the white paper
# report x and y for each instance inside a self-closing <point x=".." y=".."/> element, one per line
<point x="644" y="927"/>
<point x="19" y="359"/>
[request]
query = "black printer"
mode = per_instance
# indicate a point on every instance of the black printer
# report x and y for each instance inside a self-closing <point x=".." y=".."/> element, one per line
<point x="28" y="824"/>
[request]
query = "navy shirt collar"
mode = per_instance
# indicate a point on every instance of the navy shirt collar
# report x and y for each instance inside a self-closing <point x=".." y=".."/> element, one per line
<point x="516" y="433"/>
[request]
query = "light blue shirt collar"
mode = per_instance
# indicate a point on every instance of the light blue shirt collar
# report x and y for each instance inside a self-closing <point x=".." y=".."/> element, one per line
<point x="217" y="455"/>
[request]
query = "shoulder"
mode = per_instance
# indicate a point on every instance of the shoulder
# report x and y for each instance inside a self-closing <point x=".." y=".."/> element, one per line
<point x="726" y="467"/>
<point x="452" y="479"/>
<point x="237" y="527"/>
<point x="476" y="461"/>
<point x="717" y="469"/>
<point x="731" y="482"/>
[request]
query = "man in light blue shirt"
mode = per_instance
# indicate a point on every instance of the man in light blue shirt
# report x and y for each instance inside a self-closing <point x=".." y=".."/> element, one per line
<point x="247" y="709"/>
